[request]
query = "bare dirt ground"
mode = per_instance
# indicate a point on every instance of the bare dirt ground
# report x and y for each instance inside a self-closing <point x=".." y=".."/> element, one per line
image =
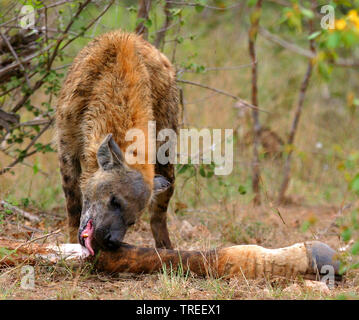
<point x="198" y="229"/>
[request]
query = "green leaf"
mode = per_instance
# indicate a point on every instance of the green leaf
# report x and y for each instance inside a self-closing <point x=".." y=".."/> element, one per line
<point x="182" y="168"/>
<point x="210" y="174"/>
<point x="6" y="252"/>
<point x="355" y="248"/>
<point x="175" y="12"/>
<point x="132" y="9"/>
<point x="307" y="13"/>
<point x="314" y="35"/>
<point x="333" y="40"/>
<point x="305" y="226"/>
<point x="354" y="185"/>
<point x="242" y="190"/>
<point x="148" y="23"/>
<point x="35" y="168"/>
<point x="199" y="8"/>
<point x="252" y="3"/>
<point x="346" y="235"/>
<point x="354" y="266"/>
<point x="324" y="70"/>
<point x="202" y="172"/>
<point x="25" y="202"/>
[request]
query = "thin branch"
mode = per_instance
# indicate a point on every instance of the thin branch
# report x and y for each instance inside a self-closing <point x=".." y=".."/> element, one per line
<point x="243" y="102"/>
<point x="206" y="69"/>
<point x="173" y="59"/>
<point x="35" y="122"/>
<point x="58" y="43"/>
<point x="28" y="93"/>
<point x="25" y="152"/>
<point x="24" y="60"/>
<point x="56" y="4"/>
<point x="340" y="62"/>
<point x="89" y="25"/>
<point x="16" y="57"/>
<point x="9" y="116"/>
<point x="29" y="216"/>
<point x="45" y="236"/>
<point x="39" y="83"/>
<point x="189" y="4"/>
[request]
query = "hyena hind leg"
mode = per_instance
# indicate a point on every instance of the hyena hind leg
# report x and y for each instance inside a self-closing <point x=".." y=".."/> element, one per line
<point x="70" y="171"/>
<point x="158" y="209"/>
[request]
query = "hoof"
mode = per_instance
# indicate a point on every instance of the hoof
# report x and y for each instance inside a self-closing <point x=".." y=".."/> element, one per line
<point x="321" y="255"/>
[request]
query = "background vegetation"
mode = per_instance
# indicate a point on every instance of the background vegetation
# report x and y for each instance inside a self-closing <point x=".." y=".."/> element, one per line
<point x="296" y="173"/>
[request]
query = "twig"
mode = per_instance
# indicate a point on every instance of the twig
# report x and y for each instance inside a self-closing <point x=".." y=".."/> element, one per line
<point x="30" y="241"/>
<point x="25" y="154"/>
<point x="26" y="227"/>
<point x="189" y="4"/>
<point x="26" y="59"/>
<point x="243" y="102"/>
<point x="16" y="57"/>
<point x="340" y="62"/>
<point x="35" y="122"/>
<point x="26" y="215"/>
<point x="174" y="51"/>
<point x="58" y="43"/>
<point x="218" y="68"/>
<point x="39" y="83"/>
<point x="56" y="4"/>
<point x="333" y="220"/>
<point x="26" y="164"/>
<point x="89" y="25"/>
<point x="9" y="116"/>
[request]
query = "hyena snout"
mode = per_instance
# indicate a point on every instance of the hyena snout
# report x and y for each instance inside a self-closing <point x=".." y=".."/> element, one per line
<point x="113" y="239"/>
<point x="111" y="229"/>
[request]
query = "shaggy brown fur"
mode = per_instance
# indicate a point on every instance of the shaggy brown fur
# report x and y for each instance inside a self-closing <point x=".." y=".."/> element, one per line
<point x="117" y="82"/>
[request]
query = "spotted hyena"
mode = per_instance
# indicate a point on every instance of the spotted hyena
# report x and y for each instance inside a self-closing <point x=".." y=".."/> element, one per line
<point x="116" y="83"/>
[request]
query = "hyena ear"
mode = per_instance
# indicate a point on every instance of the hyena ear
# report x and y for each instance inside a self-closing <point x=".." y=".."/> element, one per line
<point x="160" y="184"/>
<point x="109" y="153"/>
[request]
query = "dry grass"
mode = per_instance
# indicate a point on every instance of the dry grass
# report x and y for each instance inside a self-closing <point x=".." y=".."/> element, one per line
<point x="64" y="281"/>
<point x="206" y="213"/>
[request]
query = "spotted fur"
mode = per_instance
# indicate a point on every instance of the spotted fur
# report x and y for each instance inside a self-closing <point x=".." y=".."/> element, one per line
<point x="116" y="83"/>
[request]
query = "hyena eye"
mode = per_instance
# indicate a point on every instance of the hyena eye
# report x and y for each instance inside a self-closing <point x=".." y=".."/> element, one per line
<point x="115" y="202"/>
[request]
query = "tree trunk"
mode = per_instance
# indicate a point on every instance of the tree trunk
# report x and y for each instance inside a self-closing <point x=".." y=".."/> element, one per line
<point x="253" y="31"/>
<point x="296" y="119"/>
<point x="143" y="13"/>
<point x="160" y="38"/>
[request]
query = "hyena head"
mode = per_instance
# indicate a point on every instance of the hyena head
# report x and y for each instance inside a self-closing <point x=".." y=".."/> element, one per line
<point x="113" y="199"/>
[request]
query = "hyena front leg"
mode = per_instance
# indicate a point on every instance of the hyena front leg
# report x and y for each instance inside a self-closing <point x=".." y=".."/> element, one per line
<point x="70" y="171"/>
<point x="158" y="208"/>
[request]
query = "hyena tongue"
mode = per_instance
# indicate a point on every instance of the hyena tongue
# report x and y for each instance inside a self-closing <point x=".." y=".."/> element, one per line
<point x="87" y="234"/>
